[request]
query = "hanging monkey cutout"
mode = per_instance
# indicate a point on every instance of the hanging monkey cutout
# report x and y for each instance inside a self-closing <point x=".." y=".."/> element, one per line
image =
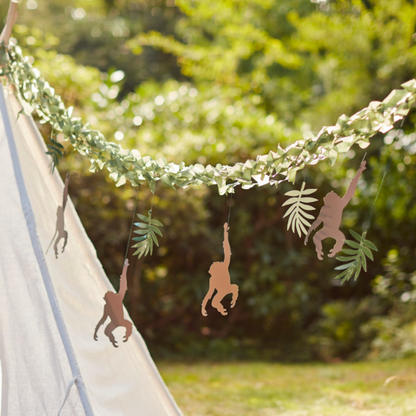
<point x="60" y="222"/>
<point x="331" y="216"/>
<point x="220" y="280"/>
<point x="113" y="309"/>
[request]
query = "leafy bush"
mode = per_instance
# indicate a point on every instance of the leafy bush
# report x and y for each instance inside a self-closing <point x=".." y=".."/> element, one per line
<point x="394" y="335"/>
<point x="237" y="79"/>
<point x="337" y="334"/>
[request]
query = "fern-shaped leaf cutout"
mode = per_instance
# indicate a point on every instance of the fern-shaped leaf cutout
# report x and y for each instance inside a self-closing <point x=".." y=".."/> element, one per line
<point x="147" y="229"/>
<point x="355" y="258"/>
<point x="299" y="203"/>
<point x="55" y="150"/>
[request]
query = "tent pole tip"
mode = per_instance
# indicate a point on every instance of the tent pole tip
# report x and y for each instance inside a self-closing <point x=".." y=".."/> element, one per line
<point x="11" y="20"/>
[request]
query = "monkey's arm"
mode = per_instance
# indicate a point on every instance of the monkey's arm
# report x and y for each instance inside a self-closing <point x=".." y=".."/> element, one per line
<point x="123" y="280"/>
<point x="314" y="225"/>
<point x="353" y="186"/>
<point x="65" y="198"/>
<point x="226" y="245"/>
<point x="101" y="321"/>
<point x="207" y="297"/>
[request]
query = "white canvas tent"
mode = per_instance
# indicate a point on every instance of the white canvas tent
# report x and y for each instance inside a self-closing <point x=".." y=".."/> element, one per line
<point x="49" y="307"/>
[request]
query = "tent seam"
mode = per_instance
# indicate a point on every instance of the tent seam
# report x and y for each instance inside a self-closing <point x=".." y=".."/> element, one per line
<point x="31" y="225"/>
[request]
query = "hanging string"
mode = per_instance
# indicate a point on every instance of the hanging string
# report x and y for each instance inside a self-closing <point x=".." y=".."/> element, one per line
<point x="229" y="211"/>
<point x="64" y="200"/>
<point x="132" y="223"/>
<point x="388" y="163"/>
<point x="365" y="155"/>
<point x="151" y="205"/>
<point x="71" y="158"/>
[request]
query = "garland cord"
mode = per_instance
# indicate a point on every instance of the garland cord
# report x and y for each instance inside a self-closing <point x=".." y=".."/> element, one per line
<point x="229" y="211"/>
<point x="132" y="223"/>
<point x="153" y="197"/>
<point x="70" y="161"/>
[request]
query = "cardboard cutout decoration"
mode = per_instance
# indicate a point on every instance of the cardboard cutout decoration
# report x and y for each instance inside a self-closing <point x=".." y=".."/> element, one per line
<point x="331" y="216"/>
<point x="60" y="222"/>
<point x="220" y="280"/>
<point x="113" y="309"/>
<point x="299" y="204"/>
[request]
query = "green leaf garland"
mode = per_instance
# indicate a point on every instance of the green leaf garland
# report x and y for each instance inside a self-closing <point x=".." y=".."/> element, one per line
<point x="276" y="166"/>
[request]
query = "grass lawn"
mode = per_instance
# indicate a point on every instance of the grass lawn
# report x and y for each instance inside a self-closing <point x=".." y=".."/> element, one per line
<point x="267" y="389"/>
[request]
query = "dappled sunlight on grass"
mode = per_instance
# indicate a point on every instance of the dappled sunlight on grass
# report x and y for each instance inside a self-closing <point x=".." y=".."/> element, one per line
<point x="269" y="389"/>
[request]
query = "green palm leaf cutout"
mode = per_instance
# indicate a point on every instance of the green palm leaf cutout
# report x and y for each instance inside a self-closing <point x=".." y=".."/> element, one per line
<point x="147" y="230"/>
<point x="299" y="203"/>
<point x="55" y="150"/>
<point x="356" y="256"/>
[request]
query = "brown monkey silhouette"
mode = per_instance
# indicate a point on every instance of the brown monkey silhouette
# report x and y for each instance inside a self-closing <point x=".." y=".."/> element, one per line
<point x="331" y="216"/>
<point x="113" y="308"/>
<point x="220" y="280"/>
<point x="60" y="222"/>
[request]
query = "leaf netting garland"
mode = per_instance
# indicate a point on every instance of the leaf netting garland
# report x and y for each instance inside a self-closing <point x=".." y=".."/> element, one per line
<point x="276" y="166"/>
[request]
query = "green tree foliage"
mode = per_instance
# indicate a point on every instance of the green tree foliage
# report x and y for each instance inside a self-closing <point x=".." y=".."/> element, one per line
<point x="221" y="82"/>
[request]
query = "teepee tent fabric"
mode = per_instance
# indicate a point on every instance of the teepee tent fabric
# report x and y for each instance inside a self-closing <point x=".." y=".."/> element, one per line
<point x="35" y="366"/>
<point x="49" y="307"/>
